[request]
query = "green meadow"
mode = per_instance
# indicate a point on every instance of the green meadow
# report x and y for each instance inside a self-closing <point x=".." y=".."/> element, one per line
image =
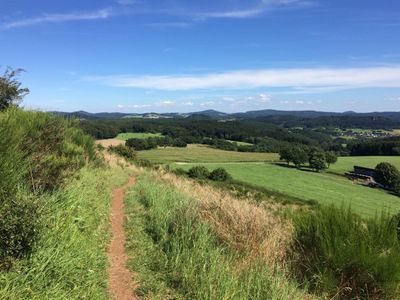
<point x="345" y="164"/>
<point x="202" y="153"/>
<point x="322" y="187"/>
<point x="137" y="135"/>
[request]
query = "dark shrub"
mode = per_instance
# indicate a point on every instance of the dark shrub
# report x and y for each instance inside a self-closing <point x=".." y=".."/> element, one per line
<point x="339" y="253"/>
<point x="143" y="163"/>
<point x="220" y="174"/>
<point x="178" y="143"/>
<point x="124" y="151"/>
<point x="18" y="226"/>
<point x="198" y="172"/>
<point x="396" y="224"/>
<point x="141" y="144"/>
<point x="179" y="172"/>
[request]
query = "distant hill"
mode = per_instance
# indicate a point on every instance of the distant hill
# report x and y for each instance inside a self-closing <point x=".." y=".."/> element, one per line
<point x="213" y="114"/>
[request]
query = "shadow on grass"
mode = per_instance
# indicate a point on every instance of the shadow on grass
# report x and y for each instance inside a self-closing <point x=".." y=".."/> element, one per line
<point x="302" y="168"/>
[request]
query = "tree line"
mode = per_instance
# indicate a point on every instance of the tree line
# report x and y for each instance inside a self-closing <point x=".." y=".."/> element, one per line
<point x="317" y="159"/>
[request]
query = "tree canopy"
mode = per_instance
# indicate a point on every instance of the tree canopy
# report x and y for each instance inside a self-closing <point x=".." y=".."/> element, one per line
<point x="11" y="92"/>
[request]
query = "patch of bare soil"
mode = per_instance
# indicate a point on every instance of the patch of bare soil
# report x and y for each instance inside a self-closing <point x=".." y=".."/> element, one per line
<point x="120" y="279"/>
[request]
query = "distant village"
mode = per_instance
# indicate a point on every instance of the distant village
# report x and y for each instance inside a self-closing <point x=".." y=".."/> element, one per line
<point x="366" y="133"/>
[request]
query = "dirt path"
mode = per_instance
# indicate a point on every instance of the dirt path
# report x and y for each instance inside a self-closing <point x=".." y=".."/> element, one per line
<point x="120" y="281"/>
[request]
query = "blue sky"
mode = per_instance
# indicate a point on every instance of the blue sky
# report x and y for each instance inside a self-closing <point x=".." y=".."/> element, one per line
<point x="228" y="55"/>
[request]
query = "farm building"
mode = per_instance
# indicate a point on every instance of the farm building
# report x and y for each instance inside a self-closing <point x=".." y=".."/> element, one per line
<point x="364" y="171"/>
<point x="367" y="175"/>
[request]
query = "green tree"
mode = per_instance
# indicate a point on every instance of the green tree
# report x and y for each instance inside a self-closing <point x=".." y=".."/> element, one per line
<point x="11" y="92"/>
<point x="388" y="175"/>
<point x="198" y="172"/>
<point x="298" y="156"/>
<point x="286" y="154"/>
<point x="317" y="160"/>
<point x="331" y="158"/>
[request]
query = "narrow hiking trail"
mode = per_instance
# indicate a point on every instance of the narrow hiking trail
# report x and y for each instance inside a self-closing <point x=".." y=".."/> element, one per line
<point x="120" y="281"/>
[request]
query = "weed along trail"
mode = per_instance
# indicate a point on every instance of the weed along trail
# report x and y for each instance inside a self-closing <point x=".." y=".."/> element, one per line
<point x="120" y="283"/>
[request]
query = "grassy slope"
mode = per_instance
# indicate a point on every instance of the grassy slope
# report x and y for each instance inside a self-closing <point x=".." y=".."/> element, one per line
<point x="201" y="153"/>
<point x="177" y="254"/>
<point x="324" y="188"/>
<point x="345" y="164"/>
<point x="136" y="135"/>
<point x="69" y="260"/>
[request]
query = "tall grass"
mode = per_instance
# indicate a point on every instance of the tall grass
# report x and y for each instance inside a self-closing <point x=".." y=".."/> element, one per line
<point x="39" y="152"/>
<point x="338" y="253"/>
<point x="68" y="260"/>
<point x="178" y="252"/>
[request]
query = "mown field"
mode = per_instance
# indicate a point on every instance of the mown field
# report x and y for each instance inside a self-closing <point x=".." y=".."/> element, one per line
<point x="136" y="135"/>
<point x="202" y="153"/>
<point x="345" y="164"/>
<point x="322" y="187"/>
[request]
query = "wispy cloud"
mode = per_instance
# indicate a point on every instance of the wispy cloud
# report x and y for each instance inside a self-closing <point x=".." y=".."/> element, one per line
<point x="233" y="14"/>
<point x="257" y="9"/>
<point x="58" y="18"/>
<point x="161" y="104"/>
<point x="127" y="2"/>
<point x="301" y="80"/>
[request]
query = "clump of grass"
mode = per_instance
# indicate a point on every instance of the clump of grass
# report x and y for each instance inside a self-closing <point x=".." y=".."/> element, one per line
<point x="339" y="253"/>
<point x="244" y="225"/>
<point x="178" y="252"/>
<point x="68" y="260"/>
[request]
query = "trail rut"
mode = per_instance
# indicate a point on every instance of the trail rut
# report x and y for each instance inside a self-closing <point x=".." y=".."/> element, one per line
<point x="120" y="279"/>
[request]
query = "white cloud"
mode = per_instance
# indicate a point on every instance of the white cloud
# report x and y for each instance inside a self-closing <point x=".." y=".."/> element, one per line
<point x="299" y="102"/>
<point x="234" y="14"/>
<point x="208" y="103"/>
<point x="264" y="98"/>
<point x="303" y="80"/>
<point x="167" y="102"/>
<point x="254" y="11"/>
<point x="228" y="99"/>
<point x="160" y="104"/>
<point x="58" y="18"/>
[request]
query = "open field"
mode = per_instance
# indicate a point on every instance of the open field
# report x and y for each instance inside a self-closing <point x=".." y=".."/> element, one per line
<point x="345" y="164"/>
<point x="322" y="187"/>
<point x="241" y="143"/>
<point x="110" y="142"/>
<point x="201" y="153"/>
<point x="396" y="131"/>
<point x="136" y="135"/>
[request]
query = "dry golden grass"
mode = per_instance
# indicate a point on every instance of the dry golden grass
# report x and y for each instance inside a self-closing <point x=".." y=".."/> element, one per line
<point x="243" y="225"/>
<point x="110" y="142"/>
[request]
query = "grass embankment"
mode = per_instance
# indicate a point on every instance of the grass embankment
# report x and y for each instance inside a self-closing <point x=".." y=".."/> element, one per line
<point x="137" y="135"/>
<point x="202" y="153"/>
<point x="191" y="241"/>
<point x="204" y="246"/>
<point x="68" y="260"/>
<point x="322" y="187"/>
